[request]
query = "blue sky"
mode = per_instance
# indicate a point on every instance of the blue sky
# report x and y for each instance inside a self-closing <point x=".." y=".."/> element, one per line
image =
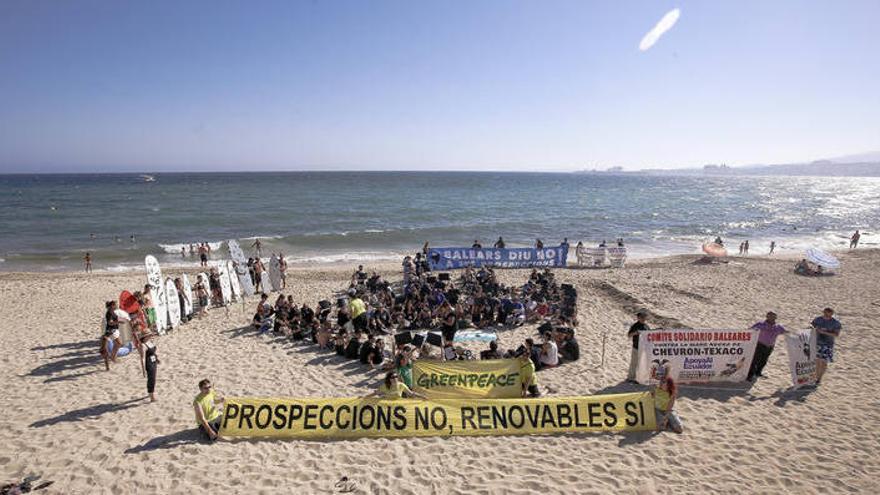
<point x="463" y="85"/>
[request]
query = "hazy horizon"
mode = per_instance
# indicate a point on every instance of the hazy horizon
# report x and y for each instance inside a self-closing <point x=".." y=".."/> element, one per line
<point x="392" y="86"/>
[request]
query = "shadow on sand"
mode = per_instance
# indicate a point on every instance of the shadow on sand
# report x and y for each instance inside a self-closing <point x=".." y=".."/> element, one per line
<point x="184" y="437"/>
<point x="91" y="412"/>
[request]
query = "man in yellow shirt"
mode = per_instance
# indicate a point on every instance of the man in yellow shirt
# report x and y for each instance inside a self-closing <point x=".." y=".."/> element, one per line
<point x="392" y="388"/>
<point x="358" y="311"/>
<point x="528" y="376"/>
<point x="208" y="415"/>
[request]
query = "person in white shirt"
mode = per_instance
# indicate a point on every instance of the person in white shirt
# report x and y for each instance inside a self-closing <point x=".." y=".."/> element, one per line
<point x="549" y="353"/>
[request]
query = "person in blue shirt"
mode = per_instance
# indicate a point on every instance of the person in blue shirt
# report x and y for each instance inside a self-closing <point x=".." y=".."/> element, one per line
<point x="827" y="330"/>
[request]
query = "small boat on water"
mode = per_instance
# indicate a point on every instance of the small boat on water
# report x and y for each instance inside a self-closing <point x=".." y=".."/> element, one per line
<point x="148" y="178"/>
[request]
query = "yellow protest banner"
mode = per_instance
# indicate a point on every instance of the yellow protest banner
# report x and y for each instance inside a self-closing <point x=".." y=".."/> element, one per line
<point x="484" y="379"/>
<point x="353" y="417"/>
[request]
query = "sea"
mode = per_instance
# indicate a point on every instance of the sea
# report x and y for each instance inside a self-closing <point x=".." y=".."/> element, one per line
<point x="49" y="222"/>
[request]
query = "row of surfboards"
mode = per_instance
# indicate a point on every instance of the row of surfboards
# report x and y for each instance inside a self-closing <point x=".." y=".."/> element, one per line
<point x="235" y="284"/>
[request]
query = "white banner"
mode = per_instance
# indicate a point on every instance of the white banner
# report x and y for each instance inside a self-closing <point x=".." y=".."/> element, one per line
<point x="801" y="347"/>
<point x="696" y="355"/>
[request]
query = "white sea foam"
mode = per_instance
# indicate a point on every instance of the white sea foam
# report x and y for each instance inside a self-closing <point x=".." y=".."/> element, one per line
<point x="175" y="248"/>
<point x="349" y="257"/>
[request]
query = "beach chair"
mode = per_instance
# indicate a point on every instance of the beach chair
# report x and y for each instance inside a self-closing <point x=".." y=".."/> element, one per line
<point x="617" y="257"/>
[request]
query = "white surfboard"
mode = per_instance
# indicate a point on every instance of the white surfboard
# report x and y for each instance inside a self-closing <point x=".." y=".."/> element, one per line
<point x="233" y="280"/>
<point x="275" y="273"/>
<point x="224" y="282"/>
<point x="235" y="252"/>
<point x="206" y="283"/>
<point x="265" y="284"/>
<point x="188" y="294"/>
<point x="241" y="268"/>
<point x="160" y="301"/>
<point x="173" y="303"/>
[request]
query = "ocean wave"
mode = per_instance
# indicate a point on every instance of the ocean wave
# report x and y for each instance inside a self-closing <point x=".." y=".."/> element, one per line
<point x="348" y="257"/>
<point x="253" y="238"/>
<point x="175" y="248"/>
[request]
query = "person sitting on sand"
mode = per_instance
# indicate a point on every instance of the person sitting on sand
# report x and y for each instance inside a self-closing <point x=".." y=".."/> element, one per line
<point x="366" y="349"/>
<point x="549" y="353"/>
<point x="392" y="388"/>
<point x="492" y="353"/>
<point x="377" y="355"/>
<point x="528" y="375"/>
<point x="208" y="415"/>
<point x="353" y="346"/>
<point x="664" y="399"/>
<point x="802" y="268"/>
<point x="111" y="334"/>
<point x="570" y="349"/>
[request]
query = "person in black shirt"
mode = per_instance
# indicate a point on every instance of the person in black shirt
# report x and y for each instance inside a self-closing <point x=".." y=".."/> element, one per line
<point x="111" y="333"/>
<point x="499" y="244"/>
<point x="477" y="245"/>
<point x="449" y="327"/>
<point x="377" y="354"/>
<point x="367" y="349"/>
<point x="638" y="326"/>
<point x="354" y="345"/>
<point x="569" y="349"/>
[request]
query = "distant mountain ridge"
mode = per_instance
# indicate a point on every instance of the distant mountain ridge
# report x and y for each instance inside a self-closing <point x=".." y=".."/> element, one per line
<point x="859" y="165"/>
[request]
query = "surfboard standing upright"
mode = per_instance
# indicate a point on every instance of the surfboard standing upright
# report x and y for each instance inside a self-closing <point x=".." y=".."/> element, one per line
<point x="241" y="269"/>
<point x="225" y="289"/>
<point x="233" y="280"/>
<point x="160" y="301"/>
<point x="173" y="304"/>
<point x="188" y="294"/>
<point x="275" y="273"/>
<point x="206" y="283"/>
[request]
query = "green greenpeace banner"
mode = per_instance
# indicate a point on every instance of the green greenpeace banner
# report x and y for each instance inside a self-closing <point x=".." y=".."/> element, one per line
<point x="495" y="378"/>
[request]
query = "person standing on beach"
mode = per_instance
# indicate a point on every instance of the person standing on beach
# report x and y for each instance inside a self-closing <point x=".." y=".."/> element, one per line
<point x="203" y="256"/>
<point x="772" y="246"/>
<point x="539" y="244"/>
<point x="769" y="331"/>
<point x="88" y="262"/>
<point x="854" y="240"/>
<point x="208" y="415"/>
<point x="111" y="334"/>
<point x="634" y="330"/>
<point x="183" y="252"/>
<point x="746" y="247"/>
<point x="282" y="267"/>
<point x="149" y="365"/>
<point x="741" y="248"/>
<point x="258" y="248"/>
<point x="476" y="244"/>
<point x="827" y="330"/>
<point x="499" y="244"/>
<point x="149" y="307"/>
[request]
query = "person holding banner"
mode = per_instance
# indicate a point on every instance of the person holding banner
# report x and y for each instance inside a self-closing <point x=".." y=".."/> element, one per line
<point x="769" y="331"/>
<point x="208" y="415"/>
<point x="664" y="399"/>
<point x="392" y="388"/>
<point x="528" y="375"/>
<point x="827" y="329"/>
<point x="633" y="333"/>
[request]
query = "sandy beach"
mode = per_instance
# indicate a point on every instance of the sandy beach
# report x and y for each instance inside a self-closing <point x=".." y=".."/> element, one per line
<point x="93" y="431"/>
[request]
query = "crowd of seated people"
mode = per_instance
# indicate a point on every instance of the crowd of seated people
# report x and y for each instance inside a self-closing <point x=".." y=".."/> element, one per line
<point x="390" y="327"/>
